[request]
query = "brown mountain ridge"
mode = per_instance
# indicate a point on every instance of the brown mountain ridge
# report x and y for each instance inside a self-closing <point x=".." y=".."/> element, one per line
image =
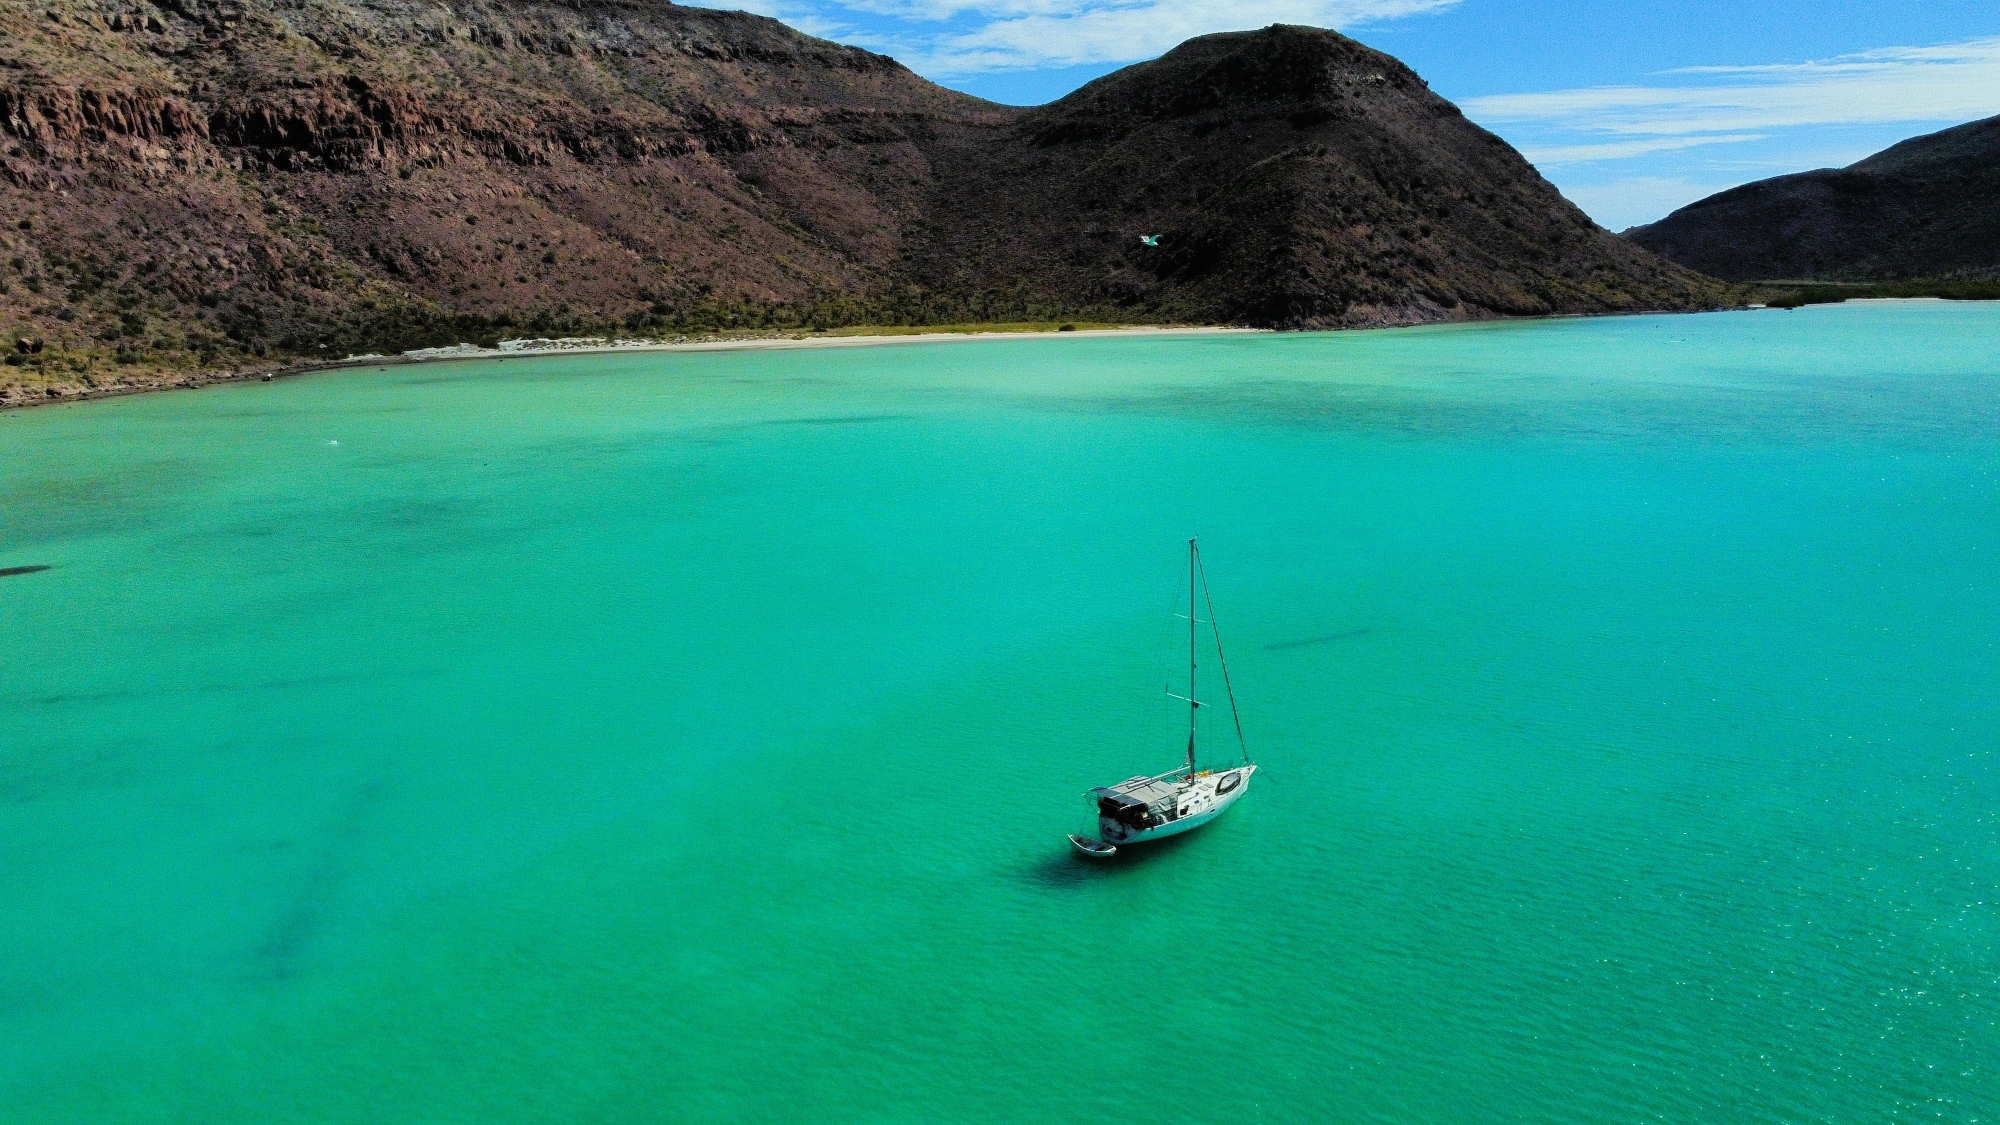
<point x="220" y="183"/>
<point x="1927" y="207"/>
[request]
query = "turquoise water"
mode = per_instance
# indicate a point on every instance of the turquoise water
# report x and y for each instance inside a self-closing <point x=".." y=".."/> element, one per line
<point x="691" y="737"/>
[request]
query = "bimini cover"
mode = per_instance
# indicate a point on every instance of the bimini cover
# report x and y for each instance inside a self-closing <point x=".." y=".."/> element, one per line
<point x="1120" y="806"/>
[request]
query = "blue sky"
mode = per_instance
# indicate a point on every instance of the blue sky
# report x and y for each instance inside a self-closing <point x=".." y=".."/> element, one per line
<point x="1633" y="109"/>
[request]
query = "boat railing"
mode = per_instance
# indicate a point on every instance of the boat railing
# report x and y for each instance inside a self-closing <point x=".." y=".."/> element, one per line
<point x="1175" y="774"/>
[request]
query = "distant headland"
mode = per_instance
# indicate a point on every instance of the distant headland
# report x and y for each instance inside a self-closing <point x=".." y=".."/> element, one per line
<point x="1919" y="218"/>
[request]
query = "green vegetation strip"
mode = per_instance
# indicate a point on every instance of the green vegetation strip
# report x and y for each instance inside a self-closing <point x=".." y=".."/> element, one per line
<point x="1792" y="294"/>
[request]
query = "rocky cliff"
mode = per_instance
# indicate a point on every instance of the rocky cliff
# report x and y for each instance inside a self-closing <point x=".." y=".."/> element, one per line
<point x="1926" y="208"/>
<point x="194" y="183"/>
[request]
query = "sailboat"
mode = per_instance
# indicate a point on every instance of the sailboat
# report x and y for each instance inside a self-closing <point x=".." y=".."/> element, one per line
<point x="1186" y="797"/>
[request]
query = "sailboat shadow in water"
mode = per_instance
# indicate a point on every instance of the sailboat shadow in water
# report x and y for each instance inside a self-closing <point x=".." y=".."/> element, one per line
<point x="1070" y="869"/>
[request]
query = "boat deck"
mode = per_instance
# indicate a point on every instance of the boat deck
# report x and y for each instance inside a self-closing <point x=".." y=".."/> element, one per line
<point x="1151" y="790"/>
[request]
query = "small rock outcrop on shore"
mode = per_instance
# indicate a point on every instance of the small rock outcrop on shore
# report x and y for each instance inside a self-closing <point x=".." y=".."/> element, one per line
<point x="210" y="184"/>
<point x="1926" y="208"/>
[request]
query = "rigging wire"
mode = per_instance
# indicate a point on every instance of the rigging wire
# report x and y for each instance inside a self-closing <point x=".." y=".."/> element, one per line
<point x="1219" y="658"/>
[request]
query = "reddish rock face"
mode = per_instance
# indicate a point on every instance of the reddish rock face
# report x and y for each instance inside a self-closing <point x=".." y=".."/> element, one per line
<point x="201" y="182"/>
<point x="69" y="120"/>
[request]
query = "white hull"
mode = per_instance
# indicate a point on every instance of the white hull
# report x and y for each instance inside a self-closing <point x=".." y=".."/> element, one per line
<point x="1199" y="802"/>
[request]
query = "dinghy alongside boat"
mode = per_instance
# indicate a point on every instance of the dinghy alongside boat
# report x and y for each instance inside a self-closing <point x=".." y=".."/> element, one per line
<point x="1096" y="849"/>
<point x="1142" y="808"/>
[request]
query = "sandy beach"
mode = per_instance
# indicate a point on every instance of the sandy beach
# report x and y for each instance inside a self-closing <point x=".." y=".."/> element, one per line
<point x="770" y="343"/>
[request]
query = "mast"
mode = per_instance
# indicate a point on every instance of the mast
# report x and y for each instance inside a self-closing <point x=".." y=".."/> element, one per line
<point x="1193" y="707"/>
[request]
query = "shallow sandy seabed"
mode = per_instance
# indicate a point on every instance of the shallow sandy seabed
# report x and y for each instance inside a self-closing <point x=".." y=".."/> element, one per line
<point x="14" y="398"/>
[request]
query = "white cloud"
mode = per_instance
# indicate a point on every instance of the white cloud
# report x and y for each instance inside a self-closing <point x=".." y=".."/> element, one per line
<point x="957" y="38"/>
<point x="1038" y="33"/>
<point x="1555" y="155"/>
<point x="1798" y="109"/>
<point x="939" y="10"/>
<point x="1955" y="82"/>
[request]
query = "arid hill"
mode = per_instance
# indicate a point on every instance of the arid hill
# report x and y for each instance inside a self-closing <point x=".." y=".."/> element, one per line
<point x="1926" y="208"/>
<point x="214" y="183"/>
<point x="1298" y="179"/>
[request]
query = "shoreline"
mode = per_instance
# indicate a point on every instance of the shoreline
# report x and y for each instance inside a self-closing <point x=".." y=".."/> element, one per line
<point x="785" y="343"/>
<point x="790" y="342"/>
<point x="72" y="394"/>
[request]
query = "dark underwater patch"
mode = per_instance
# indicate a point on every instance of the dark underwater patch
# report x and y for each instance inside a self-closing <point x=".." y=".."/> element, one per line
<point x="298" y="923"/>
<point x="191" y="689"/>
<point x="9" y="571"/>
<point x="840" y="420"/>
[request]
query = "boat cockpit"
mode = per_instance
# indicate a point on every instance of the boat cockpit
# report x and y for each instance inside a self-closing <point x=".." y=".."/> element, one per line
<point x="1126" y="809"/>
